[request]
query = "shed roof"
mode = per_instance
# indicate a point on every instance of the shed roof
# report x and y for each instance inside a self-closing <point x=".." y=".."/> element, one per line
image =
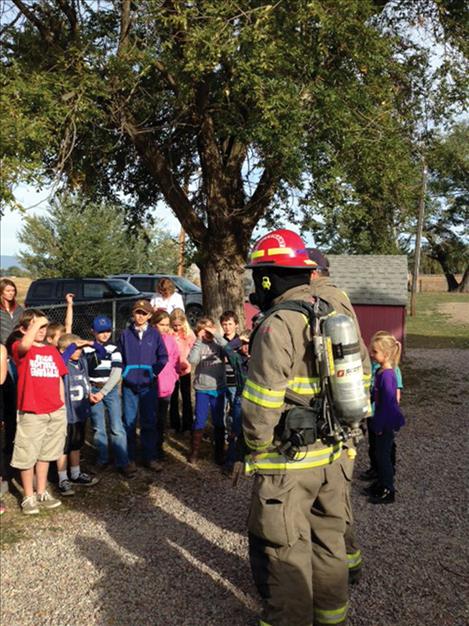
<point x="371" y="278"/>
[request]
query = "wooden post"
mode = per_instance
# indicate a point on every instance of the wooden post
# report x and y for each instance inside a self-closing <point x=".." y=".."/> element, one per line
<point x="418" y="238"/>
<point x="181" y="250"/>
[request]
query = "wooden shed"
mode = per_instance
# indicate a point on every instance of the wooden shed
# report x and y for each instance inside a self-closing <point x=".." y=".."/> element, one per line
<point x="377" y="288"/>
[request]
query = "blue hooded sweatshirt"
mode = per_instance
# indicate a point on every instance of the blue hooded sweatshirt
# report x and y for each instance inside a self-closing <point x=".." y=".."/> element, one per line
<point x="142" y="359"/>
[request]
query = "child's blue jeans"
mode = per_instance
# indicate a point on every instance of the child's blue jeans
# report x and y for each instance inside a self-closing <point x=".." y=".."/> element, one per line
<point x="112" y="403"/>
<point x="142" y="402"/>
<point x="204" y="403"/>
<point x="235" y="428"/>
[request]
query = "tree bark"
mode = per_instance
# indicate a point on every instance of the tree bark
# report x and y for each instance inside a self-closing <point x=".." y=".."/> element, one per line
<point x="223" y="285"/>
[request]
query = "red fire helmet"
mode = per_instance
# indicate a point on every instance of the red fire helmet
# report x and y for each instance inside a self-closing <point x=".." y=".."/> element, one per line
<point x="281" y="248"/>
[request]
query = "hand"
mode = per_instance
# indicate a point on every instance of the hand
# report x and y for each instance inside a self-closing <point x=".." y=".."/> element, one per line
<point x="96" y="397"/>
<point x="69" y="298"/>
<point x="184" y="367"/>
<point x="41" y="321"/>
<point x="238" y="471"/>
<point x="80" y="343"/>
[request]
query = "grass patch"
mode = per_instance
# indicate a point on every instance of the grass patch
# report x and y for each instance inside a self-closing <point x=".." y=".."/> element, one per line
<point x="431" y="328"/>
<point x="10" y="534"/>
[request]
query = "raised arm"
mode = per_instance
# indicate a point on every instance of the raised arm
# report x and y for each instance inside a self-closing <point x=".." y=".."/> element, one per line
<point x="69" y="312"/>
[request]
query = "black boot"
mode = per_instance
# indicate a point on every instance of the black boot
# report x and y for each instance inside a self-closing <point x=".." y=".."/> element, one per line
<point x="385" y="496"/>
<point x="219" y="440"/>
<point x="195" y="446"/>
<point x="369" y="474"/>
<point x="372" y="489"/>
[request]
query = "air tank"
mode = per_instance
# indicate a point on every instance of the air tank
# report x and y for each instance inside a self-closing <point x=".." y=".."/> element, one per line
<point x="350" y="400"/>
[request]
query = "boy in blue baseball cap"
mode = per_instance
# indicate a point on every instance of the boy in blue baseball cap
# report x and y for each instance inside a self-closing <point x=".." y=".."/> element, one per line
<point x="105" y="373"/>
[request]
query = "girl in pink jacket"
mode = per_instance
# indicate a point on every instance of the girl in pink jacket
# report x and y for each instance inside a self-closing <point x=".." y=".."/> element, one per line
<point x="167" y="378"/>
<point x="185" y="339"/>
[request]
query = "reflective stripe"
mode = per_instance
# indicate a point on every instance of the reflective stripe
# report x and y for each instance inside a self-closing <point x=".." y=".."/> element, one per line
<point x="261" y="623"/>
<point x="305" y="386"/>
<point x="254" y="445"/>
<point x="335" y="616"/>
<point x="277" y="251"/>
<point x="257" y="254"/>
<point x="303" y="460"/>
<point x="367" y="380"/>
<point x="267" y="398"/>
<point x="354" y="559"/>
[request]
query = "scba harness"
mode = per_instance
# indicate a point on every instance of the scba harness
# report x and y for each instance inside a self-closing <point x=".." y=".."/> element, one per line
<point x="335" y="414"/>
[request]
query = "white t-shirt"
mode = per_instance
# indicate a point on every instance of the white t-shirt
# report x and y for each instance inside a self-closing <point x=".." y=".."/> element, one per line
<point x="168" y="304"/>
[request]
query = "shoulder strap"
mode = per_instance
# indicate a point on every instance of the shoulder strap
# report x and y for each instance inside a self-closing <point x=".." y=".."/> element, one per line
<point x="313" y="311"/>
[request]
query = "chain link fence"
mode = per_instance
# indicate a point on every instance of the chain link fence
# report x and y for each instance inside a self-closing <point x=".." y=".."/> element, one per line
<point x="117" y="309"/>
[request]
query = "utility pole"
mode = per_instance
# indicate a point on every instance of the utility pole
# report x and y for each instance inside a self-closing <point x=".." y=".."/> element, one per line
<point x="181" y="250"/>
<point x="418" y="238"/>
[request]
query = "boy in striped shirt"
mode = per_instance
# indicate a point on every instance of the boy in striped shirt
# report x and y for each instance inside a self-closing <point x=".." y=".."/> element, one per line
<point x="105" y="372"/>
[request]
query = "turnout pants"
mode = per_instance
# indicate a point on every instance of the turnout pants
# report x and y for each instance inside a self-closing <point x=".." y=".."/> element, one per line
<point x="354" y="555"/>
<point x="296" y="546"/>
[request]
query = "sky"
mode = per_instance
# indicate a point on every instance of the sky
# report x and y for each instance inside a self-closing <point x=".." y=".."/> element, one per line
<point x="36" y="203"/>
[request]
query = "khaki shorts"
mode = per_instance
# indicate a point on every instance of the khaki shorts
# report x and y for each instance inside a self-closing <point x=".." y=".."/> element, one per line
<point x="39" y="437"/>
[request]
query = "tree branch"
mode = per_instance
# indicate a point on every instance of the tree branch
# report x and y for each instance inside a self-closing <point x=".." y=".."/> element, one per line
<point x="209" y="154"/>
<point x="125" y="22"/>
<point x="172" y="191"/>
<point x="71" y="15"/>
<point x="45" y="33"/>
<point x="262" y="196"/>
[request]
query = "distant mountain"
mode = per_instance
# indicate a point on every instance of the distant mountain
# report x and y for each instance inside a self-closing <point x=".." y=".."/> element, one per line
<point x="7" y="261"/>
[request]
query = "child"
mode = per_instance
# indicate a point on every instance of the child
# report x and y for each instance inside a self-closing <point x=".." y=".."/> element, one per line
<point x="229" y="322"/>
<point x="143" y="357"/>
<point x="185" y="339"/>
<point x="77" y="398"/>
<point x="105" y="372"/>
<point x="42" y="422"/>
<point x="168" y="376"/>
<point x="239" y="362"/>
<point x="208" y="357"/>
<point x="371" y="473"/>
<point x="387" y="417"/>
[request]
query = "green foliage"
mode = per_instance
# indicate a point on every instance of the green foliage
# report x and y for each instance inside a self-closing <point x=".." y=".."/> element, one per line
<point x="222" y="108"/>
<point x="80" y="238"/>
<point x="448" y="201"/>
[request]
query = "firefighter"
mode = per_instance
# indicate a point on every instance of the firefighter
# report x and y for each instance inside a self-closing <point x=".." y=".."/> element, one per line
<point x="323" y="287"/>
<point x="296" y="521"/>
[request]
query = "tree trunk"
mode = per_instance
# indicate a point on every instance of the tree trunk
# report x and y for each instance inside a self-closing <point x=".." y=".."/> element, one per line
<point x="464" y="284"/>
<point x="451" y="281"/>
<point x="222" y="281"/>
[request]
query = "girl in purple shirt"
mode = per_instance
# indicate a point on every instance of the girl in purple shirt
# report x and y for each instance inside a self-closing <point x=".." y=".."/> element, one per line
<point x="388" y="417"/>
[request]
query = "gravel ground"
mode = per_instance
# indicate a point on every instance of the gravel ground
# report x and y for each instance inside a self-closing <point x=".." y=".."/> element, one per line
<point x="173" y="551"/>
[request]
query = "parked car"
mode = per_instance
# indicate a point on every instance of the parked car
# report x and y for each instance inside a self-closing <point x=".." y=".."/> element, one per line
<point x="191" y="294"/>
<point x="93" y="296"/>
<point x="48" y="291"/>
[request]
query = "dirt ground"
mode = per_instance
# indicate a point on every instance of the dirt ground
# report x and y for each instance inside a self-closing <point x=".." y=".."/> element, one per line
<point x="171" y="549"/>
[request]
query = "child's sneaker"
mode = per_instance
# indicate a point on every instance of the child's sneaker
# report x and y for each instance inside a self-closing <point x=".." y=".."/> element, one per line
<point x="29" y="505"/>
<point x="2" y="507"/>
<point x="66" y="488"/>
<point x="46" y="501"/>
<point x="84" y="480"/>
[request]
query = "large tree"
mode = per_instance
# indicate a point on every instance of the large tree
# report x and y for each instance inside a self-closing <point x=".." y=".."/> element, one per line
<point x="220" y="108"/>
